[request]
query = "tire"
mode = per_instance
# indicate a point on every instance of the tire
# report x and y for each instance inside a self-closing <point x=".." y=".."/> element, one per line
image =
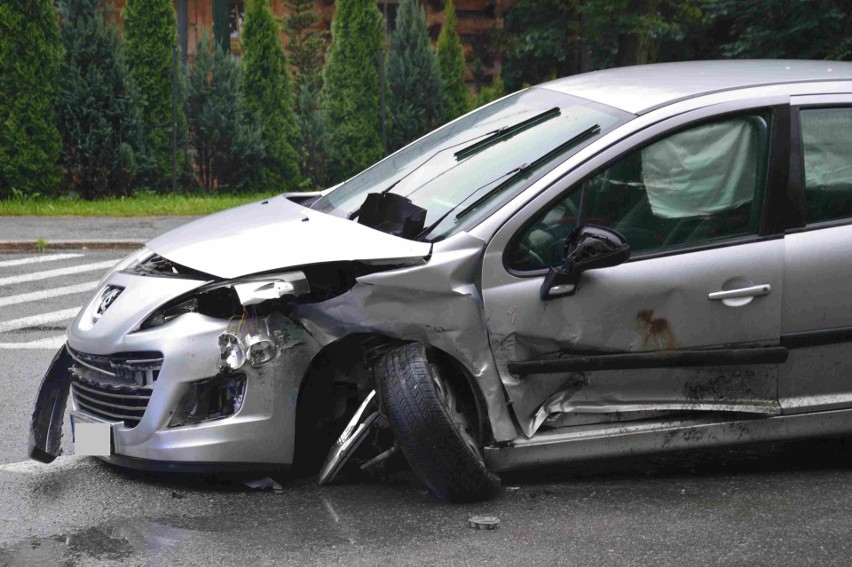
<point x="431" y="426"/>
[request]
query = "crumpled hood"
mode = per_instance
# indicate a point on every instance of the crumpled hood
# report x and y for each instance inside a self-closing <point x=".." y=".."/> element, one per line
<point x="275" y="234"/>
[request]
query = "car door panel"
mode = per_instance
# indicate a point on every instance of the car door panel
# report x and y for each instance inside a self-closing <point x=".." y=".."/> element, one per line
<point x="653" y="334"/>
<point x="657" y="304"/>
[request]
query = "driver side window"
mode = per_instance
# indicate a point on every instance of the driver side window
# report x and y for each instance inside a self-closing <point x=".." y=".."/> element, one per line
<point x="696" y="186"/>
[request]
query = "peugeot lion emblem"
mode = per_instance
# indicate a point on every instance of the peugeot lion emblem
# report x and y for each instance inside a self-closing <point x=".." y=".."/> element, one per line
<point x="108" y="297"/>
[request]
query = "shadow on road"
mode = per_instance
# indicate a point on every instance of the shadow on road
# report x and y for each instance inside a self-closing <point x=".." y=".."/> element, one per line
<point x="819" y="454"/>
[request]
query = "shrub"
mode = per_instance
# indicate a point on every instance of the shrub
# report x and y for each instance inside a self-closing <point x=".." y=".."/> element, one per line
<point x="150" y="29"/>
<point x="489" y="94"/>
<point x="451" y="66"/>
<point x="226" y="141"/>
<point x="413" y="78"/>
<point x="305" y="45"/>
<point x="351" y="87"/>
<point x="268" y="95"/>
<point x="30" y="55"/>
<point x="306" y="48"/>
<point x="97" y="105"/>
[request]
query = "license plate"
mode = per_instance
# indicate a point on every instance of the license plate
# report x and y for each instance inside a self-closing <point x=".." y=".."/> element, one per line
<point x="91" y="438"/>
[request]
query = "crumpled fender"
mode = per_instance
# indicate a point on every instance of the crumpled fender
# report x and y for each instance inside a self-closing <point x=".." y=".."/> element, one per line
<point x="46" y="425"/>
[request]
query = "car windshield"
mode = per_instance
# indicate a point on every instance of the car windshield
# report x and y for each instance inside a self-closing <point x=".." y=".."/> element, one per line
<point x="477" y="163"/>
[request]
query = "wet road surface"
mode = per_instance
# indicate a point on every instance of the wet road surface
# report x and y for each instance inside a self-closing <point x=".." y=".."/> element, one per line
<point x="733" y="511"/>
<point x="778" y="505"/>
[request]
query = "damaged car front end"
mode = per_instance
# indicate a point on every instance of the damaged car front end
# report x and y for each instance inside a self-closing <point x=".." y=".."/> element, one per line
<point x="194" y="371"/>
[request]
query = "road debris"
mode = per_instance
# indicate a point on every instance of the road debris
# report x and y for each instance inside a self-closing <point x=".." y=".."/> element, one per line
<point x="264" y="484"/>
<point x="484" y="522"/>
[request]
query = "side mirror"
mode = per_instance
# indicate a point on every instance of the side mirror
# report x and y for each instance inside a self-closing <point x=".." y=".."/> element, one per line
<point x="588" y="247"/>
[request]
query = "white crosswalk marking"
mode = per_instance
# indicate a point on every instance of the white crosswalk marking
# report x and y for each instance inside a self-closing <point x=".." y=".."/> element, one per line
<point x="22" y="278"/>
<point x="37" y="320"/>
<point x="50" y="343"/>
<point x="38" y="259"/>
<point x="47" y="293"/>
<point x="62" y="463"/>
<point x="36" y="298"/>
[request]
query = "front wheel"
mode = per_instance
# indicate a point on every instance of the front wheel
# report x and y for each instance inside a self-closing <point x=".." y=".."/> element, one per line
<point x="436" y="433"/>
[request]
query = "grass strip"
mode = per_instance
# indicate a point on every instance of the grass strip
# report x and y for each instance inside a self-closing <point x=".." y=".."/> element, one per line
<point x="139" y="205"/>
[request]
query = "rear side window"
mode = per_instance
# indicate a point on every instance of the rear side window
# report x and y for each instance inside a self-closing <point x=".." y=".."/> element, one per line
<point x="699" y="185"/>
<point x="827" y="145"/>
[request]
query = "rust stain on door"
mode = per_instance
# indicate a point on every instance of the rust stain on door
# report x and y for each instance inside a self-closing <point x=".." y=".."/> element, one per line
<point x="656" y="333"/>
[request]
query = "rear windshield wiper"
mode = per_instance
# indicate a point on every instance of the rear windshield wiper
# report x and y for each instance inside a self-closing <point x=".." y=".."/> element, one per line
<point x="506" y="132"/>
<point x="513" y="175"/>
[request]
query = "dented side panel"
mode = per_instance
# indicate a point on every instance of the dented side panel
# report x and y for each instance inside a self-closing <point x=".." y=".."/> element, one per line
<point x="436" y="304"/>
<point x="654" y="304"/>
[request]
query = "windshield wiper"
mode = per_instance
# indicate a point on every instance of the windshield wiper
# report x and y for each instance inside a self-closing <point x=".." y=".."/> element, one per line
<point x="525" y="168"/>
<point x="513" y="176"/>
<point x="354" y="214"/>
<point x="506" y="132"/>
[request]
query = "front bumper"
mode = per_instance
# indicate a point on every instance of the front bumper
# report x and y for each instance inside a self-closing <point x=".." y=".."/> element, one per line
<point x="259" y="435"/>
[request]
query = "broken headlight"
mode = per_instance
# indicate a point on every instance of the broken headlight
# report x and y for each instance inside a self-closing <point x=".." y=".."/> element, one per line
<point x="226" y="299"/>
<point x="210" y="399"/>
<point x="233" y="355"/>
<point x="162" y="316"/>
<point x="252" y="342"/>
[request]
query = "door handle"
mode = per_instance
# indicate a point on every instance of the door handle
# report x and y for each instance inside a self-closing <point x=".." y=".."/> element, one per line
<point x="751" y="291"/>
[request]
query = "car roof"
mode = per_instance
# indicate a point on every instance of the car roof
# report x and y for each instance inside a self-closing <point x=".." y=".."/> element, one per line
<point x="642" y="88"/>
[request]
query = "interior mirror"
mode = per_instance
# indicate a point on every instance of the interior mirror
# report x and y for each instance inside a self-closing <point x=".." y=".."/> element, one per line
<point x="588" y="247"/>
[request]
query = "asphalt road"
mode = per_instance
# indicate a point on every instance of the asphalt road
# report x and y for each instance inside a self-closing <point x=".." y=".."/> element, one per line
<point x="779" y="505"/>
<point x="58" y="229"/>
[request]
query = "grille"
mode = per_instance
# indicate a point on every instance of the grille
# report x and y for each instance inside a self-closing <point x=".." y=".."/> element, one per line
<point x="117" y="387"/>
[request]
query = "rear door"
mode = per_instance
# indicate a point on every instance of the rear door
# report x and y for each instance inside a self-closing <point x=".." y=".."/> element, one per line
<point x="817" y="316"/>
<point x="694" y="197"/>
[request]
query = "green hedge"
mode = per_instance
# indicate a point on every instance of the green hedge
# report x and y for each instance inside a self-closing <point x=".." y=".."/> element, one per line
<point x="30" y="55"/>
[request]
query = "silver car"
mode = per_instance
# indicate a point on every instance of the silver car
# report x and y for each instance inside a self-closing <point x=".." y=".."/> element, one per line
<point x="628" y="261"/>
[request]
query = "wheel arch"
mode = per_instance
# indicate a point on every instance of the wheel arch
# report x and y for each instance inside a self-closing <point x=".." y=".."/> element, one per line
<point x="366" y="349"/>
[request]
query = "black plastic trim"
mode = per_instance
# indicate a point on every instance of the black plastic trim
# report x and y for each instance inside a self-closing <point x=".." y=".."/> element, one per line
<point x="201" y="467"/>
<point x="658" y="359"/>
<point x="795" y="216"/>
<point x="773" y="219"/>
<point x="46" y="423"/>
<point x="820" y="337"/>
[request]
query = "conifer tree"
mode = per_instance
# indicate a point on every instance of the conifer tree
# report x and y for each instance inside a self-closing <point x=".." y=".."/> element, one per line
<point x="350" y="97"/>
<point x="150" y="31"/>
<point x="30" y="55"/>
<point x="98" y="111"/>
<point x="451" y="65"/>
<point x="412" y="77"/>
<point x="268" y="95"/>
<point x="306" y="48"/>
<point x="306" y="44"/>
<point x="489" y="93"/>
<point x="226" y="142"/>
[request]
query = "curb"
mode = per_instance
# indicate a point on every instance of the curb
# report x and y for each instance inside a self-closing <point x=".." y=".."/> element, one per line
<point x="32" y="245"/>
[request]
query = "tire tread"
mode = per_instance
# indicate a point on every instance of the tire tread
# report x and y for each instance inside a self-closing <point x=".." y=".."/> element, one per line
<point x="424" y="431"/>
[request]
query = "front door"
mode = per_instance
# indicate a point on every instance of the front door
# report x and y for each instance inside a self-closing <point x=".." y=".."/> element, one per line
<point x="702" y="290"/>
